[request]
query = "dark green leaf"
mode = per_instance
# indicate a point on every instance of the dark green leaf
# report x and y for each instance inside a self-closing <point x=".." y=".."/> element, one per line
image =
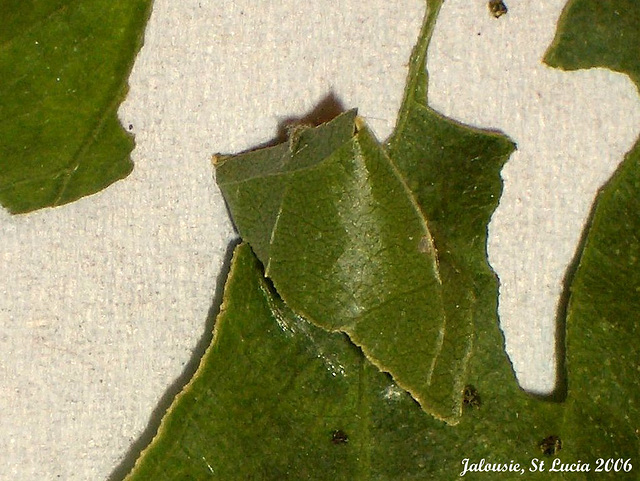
<point x="603" y="321"/>
<point x="603" y="326"/>
<point x="598" y="33"/>
<point x="346" y="245"/>
<point x="63" y="71"/>
<point x="267" y="398"/>
<point x="278" y="398"/>
<point x="272" y="390"/>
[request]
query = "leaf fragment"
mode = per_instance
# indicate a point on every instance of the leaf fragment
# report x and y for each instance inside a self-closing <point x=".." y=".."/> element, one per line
<point x="63" y="71"/>
<point x="603" y="326"/>
<point x="598" y="33"/>
<point x="603" y="320"/>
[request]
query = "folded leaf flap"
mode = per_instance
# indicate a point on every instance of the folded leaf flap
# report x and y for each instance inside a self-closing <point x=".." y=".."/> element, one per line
<point x="348" y="248"/>
<point x="310" y="146"/>
<point x="252" y="182"/>
<point x="253" y="199"/>
<point x="306" y="146"/>
<point x="255" y="164"/>
<point x="351" y="252"/>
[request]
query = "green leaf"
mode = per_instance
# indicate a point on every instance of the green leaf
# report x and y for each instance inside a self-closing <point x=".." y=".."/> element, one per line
<point x="602" y="314"/>
<point x="598" y="33"/>
<point x="602" y="318"/>
<point x="63" y="71"/>
<point x="346" y="244"/>
<point x="266" y="422"/>
<point x="273" y="390"/>
<point x="453" y="172"/>
<point x="347" y="247"/>
<point x="277" y="398"/>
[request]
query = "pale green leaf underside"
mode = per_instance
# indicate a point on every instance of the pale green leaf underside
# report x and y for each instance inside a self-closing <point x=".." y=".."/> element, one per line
<point x="63" y="71"/>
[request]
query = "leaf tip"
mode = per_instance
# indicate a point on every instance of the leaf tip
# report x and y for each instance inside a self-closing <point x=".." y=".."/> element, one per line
<point x="217" y="160"/>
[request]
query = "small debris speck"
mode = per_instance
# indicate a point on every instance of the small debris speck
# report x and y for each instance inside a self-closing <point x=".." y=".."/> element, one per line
<point x="470" y="397"/>
<point x="497" y="8"/>
<point x="425" y="245"/>
<point x="550" y="445"/>
<point x="339" y="437"/>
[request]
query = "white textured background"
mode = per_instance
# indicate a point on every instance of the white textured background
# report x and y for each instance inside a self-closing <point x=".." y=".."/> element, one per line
<point x="105" y="300"/>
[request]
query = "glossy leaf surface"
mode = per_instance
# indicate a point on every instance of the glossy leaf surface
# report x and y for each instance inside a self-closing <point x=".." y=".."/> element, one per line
<point x="63" y="71"/>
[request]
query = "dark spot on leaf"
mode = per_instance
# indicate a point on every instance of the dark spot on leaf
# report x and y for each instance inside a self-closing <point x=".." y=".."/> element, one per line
<point x="551" y="445"/>
<point x="339" y="437"/>
<point x="470" y="397"/>
<point x="130" y="126"/>
<point x="497" y="8"/>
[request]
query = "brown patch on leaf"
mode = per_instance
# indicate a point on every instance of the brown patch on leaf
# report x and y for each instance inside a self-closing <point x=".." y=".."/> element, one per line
<point x="470" y="397"/>
<point x="551" y="445"/>
<point x="339" y="437"/>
